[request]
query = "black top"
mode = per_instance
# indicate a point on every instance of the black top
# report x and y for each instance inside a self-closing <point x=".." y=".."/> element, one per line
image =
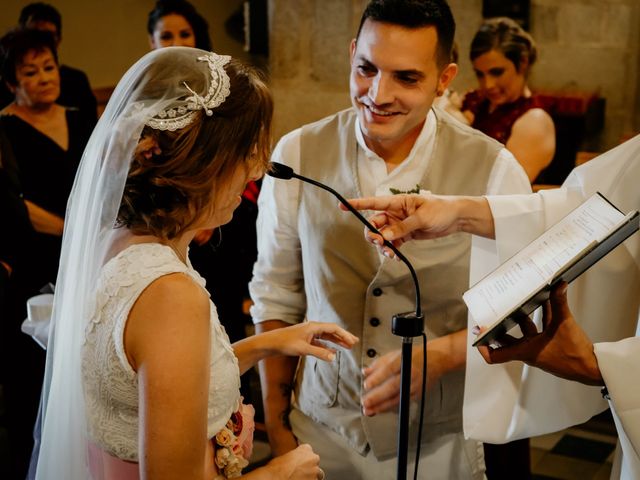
<point x="15" y="219"/>
<point x="46" y="171"/>
<point x="45" y="174"/>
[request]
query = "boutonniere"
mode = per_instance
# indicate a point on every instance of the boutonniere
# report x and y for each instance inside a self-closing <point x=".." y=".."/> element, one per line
<point x="397" y="191"/>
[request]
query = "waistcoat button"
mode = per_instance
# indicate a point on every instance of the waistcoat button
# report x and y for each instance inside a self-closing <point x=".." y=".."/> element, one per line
<point x="374" y="321"/>
<point x="377" y="292"/>
<point x="371" y="353"/>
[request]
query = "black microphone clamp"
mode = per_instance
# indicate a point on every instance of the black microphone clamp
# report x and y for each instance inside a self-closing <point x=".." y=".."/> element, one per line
<point x="409" y="324"/>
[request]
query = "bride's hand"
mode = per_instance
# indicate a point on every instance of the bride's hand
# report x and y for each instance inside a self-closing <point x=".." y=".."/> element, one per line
<point x="311" y="338"/>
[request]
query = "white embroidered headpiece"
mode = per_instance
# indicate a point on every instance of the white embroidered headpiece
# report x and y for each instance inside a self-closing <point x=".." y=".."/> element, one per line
<point x="219" y="88"/>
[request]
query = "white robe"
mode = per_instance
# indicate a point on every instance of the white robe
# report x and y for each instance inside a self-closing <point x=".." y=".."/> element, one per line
<point x="511" y="401"/>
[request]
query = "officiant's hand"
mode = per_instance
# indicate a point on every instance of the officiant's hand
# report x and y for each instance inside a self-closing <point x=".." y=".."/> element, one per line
<point x="562" y="348"/>
<point x="416" y="217"/>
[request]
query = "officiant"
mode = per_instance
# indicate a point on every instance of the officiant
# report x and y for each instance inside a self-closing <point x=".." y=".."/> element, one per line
<point x="511" y="400"/>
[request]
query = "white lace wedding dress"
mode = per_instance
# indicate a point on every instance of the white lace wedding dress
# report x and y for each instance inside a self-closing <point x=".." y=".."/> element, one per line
<point x="110" y="384"/>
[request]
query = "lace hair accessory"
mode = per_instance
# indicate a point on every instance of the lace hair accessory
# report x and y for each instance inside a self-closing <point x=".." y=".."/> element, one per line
<point x="180" y="116"/>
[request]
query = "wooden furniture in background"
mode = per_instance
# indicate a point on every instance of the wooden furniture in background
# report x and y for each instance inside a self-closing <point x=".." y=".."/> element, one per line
<point x="102" y="97"/>
<point x="578" y="118"/>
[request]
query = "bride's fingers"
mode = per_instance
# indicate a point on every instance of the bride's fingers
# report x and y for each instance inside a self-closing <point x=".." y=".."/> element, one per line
<point x="320" y="351"/>
<point x="331" y="331"/>
<point x="340" y="336"/>
<point x="335" y="339"/>
<point x="316" y="342"/>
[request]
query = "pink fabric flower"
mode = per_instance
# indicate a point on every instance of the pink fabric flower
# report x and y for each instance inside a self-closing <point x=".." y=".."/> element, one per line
<point x="234" y="442"/>
<point x="245" y="437"/>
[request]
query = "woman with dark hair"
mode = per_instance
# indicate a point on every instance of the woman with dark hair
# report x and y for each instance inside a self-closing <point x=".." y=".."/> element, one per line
<point x="75" y="90"/>
<point x="142" y="381"/>
<point x="46" y="141"/>
<point x="504" y="107"/>
<point x="177" y="23"/>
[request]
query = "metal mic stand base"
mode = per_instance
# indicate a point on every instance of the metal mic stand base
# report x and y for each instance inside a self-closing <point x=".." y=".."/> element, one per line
<point x="405" y="325"/>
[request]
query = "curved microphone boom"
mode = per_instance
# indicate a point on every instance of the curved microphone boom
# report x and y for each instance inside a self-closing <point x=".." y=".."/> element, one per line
<point x="284" y="172"/>
<point x="405" y="325"/>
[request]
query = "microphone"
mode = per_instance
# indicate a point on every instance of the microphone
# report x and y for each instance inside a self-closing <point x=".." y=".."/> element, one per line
<point x="280" y="170"/>
<point x="406" y="325"/>
<point x="284" y="172"/>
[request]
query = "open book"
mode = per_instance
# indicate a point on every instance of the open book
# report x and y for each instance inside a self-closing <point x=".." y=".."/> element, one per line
<point x="562" y="253"/>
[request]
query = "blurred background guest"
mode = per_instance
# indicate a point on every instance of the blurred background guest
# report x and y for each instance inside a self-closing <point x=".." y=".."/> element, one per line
<point x="46" y="140"/>
<point x="503" y="106"/>
<point x="177" y="23"/>
<point x="75" y="90"/>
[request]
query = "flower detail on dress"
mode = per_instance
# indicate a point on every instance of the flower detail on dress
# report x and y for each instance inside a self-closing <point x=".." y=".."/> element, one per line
<point x="234" y="443"/>
<point x="178" y="117"/>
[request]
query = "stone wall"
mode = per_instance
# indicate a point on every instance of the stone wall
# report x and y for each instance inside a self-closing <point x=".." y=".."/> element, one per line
<point x="592" y="45"/>
<point x="309" y="58"/>
<point x="585" y="45"/>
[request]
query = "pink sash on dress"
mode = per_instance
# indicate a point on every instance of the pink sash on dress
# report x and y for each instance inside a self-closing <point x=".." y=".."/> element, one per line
<point x="104" y="466"/>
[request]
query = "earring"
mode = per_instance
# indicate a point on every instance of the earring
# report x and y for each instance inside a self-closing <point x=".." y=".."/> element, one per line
<point x="218" y="232"/>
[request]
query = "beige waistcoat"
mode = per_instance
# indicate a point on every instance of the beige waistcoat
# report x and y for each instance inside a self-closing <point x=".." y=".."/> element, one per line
<point x="348" y="283"/>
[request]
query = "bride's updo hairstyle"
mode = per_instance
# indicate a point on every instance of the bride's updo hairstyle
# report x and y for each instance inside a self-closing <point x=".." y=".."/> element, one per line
<point x="175" y="174"/>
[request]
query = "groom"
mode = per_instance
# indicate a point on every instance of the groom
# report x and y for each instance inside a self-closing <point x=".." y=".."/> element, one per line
<point x="312" y="262"/>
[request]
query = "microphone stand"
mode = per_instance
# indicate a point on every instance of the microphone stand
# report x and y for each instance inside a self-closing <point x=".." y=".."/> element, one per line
<point x="406" y="325"/>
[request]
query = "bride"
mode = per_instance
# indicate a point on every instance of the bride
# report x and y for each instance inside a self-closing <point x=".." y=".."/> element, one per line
<point x="141" y="380"/>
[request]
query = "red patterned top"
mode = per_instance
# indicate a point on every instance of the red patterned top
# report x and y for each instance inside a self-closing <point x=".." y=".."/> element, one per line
<point x="498" y="123"/>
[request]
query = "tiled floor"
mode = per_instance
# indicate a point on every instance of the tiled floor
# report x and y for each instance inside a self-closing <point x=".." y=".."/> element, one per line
<point x="584" y="452"/>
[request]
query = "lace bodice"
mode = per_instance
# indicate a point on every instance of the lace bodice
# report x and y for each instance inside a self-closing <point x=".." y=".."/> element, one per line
<point x="110" y="384"/>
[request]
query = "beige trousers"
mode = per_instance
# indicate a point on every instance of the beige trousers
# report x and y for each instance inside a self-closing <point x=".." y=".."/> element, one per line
<point x="451" y="457"/>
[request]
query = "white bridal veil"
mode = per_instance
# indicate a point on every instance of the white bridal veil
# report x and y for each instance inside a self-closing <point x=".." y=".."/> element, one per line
<point x="166" y="89"/>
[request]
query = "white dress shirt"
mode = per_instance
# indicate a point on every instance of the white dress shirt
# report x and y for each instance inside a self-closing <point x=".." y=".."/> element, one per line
<point x="278" y="203"/>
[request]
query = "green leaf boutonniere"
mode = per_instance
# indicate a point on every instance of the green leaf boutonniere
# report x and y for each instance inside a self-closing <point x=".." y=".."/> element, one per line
<point x="396" y="191"/>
